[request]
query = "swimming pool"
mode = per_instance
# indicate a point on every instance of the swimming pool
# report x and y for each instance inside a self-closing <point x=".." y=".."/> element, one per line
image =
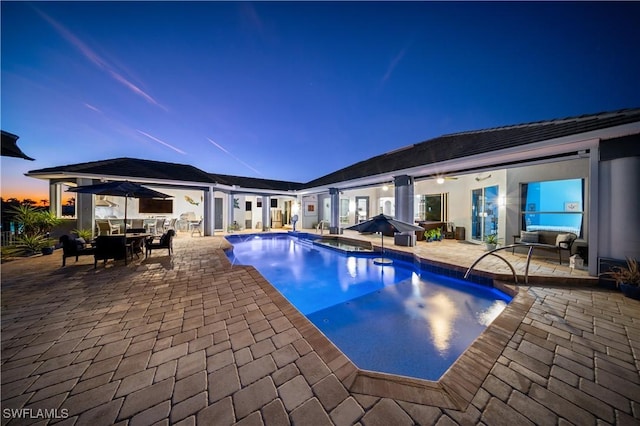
<point x="395" y="319"/>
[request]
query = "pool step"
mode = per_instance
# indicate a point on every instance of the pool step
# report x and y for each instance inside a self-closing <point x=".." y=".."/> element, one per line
<point x="305" y="243"/>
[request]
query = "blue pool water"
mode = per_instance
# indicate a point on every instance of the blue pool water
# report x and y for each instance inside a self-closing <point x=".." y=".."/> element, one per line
<point x="395" y="319"/>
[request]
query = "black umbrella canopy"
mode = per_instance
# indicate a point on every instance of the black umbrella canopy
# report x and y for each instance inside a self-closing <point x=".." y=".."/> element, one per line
<point x="120" y="189"/>
<point x="384" y="224"/>
<point x="10" y="146"/>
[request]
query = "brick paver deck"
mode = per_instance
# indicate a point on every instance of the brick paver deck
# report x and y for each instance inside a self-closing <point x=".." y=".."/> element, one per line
<point x="191" y="339"/>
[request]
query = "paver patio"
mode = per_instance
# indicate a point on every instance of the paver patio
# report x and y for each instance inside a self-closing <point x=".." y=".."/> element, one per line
<point x="192" y="339"/>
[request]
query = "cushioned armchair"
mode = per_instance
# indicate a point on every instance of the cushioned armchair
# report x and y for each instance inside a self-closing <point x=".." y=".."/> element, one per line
<point x="72" y="247"/>
<point x="110" y="247"/>
<point x="166" y="241"/>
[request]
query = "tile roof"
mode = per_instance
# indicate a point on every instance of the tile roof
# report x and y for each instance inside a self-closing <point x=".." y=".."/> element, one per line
<point x="442" y="148"/>
<point x="133" y="167"/>
<point x="257" y="183"/>
<point x="464" y="144"/>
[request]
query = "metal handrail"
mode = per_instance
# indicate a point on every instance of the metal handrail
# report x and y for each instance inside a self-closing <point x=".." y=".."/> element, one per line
<point x="510" y="246"/>
<point x="320" y="226"/>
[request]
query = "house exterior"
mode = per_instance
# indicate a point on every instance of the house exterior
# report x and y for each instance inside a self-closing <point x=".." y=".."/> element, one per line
<point x="580" y="174"/>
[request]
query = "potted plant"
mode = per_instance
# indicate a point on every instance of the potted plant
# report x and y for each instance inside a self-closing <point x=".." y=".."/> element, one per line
<point x="491" y="241"/>
<point x="85" y="234"/>
<point x="34" y="226"/>
<point x="627" y="278"/>
<point x="429" y="235"/>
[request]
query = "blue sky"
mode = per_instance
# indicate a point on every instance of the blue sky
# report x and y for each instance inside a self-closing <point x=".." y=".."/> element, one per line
<point x="296" y="90"/>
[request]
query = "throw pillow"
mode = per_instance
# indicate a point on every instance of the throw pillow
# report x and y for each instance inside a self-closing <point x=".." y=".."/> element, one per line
<point x="529" y="237"/>
<point x="563" y="240"/>
<point x="80" y="242"/>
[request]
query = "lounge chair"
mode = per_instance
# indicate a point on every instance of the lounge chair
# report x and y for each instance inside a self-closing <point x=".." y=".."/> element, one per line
<point x="166" y="241"/>
<point x="74" y="247"/>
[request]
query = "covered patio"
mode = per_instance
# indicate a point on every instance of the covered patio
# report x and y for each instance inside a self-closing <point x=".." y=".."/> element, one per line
<point x="192" y="339"/>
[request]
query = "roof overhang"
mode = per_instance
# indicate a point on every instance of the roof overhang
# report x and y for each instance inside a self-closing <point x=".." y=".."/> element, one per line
<point x="63" y="176"/>
<point x="564" y="147"/>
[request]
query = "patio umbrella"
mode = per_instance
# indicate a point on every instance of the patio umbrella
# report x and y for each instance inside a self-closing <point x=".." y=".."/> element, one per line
<point x="124" y="189"/>
<point x="10" y="146"/>
<point x="384" y="224"/>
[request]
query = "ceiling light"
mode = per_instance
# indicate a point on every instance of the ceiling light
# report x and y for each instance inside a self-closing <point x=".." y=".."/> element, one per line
<point x="440" y="180"/>
<point x="385" y="188"/>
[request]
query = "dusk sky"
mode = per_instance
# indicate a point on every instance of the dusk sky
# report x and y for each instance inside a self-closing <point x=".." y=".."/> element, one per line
<point x="295" y="90"/>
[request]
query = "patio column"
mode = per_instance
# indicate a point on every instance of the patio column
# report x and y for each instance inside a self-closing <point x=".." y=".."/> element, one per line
<point x="230" y="211"/>
<point x="85" y="207"/>
<point x="334" y="225"/>
<point x="209" y="212"/>
<point x="55" y="199"/>
<point x="266" y="213"/>
<point x="404" y="198"/>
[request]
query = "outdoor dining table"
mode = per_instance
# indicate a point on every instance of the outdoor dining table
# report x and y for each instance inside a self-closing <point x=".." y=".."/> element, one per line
<point x="134" y="241"/>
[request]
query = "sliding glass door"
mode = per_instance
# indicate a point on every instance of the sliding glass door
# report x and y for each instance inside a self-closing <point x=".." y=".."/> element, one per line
<point x="484" y="212"/>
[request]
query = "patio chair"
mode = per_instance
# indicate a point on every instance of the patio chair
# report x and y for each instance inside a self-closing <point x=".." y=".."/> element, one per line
<point x="150" y="225"/>
<point x="166" y="241"/>
<point x="74" y="247"/>
<point x="185" y="219"/>
<point x="171" y="224"/>
<point x="196" y="227"/>
<point x="105" y="227"/>
<point x="110" y="247"/>
<point x="160" y="225"/>
<point x="136" y="244"/>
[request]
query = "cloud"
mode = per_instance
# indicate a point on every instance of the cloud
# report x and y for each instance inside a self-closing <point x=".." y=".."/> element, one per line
<point x="153" y="138"/>
<point x="221" y="148"/>
<point x="92" y="108"/>
<point x="94" y="58"/>
<point x="394" y="63"/>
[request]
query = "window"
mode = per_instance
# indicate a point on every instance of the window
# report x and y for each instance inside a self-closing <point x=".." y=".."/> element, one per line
<point x="556" y="205"/>
<point x="247" y="206"/>
<point x="433" y="207"/>
<point x="274" y="202"/>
